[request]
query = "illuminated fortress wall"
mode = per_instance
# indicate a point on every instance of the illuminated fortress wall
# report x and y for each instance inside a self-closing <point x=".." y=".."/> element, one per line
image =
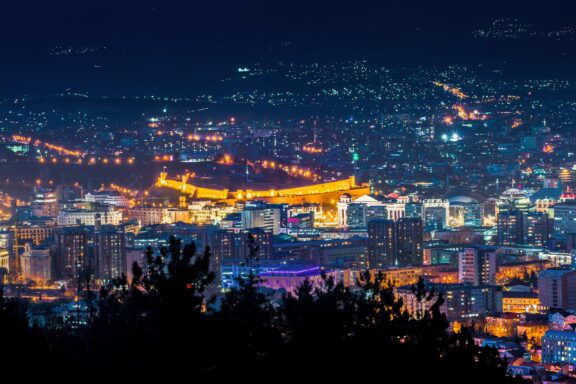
<point x="324" y="193"/>
<point x="198" y="192"/>
<point x="328" y="198"/>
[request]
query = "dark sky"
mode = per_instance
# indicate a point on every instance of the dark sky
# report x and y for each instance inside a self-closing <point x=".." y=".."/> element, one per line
<point x="152" y="44"/>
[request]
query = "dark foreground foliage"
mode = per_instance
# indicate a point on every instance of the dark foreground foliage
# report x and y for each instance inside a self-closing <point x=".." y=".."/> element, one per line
<point x="160" y="328"/>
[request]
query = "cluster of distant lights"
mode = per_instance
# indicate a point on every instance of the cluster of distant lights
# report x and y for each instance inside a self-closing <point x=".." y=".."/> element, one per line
<point x="88" y="161"/>
<point x="209" y="138"/>
<point x="124" y="190"/>
<point x="464" y="115"/>
<point x="226" y="160"/>
<point x="292" y="170"/>
<point x="73" y="156"/>
<point x="194" y="137"/>
<point x="313" y="149"/>
<point x="453" y="90"/>
<point x="317" y="74"/>
<point x="72" y="50"/>
<point x="517" y="123"/>
<point x="475" y="115"/>
<point x="163" y="158"/>
<point x="454" y="137"/>
<point x="515" y="29"/>
<point x="52" y="147"/>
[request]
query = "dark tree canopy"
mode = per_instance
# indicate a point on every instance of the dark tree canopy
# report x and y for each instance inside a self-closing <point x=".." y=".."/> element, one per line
<point x="162" y="327"/>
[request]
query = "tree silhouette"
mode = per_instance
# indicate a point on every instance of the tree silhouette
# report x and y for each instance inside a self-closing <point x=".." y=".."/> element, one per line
<point x="160" y="327"/>
<point x="161" y="313"/>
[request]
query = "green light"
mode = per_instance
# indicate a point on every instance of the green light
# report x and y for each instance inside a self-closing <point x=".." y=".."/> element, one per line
<point x="355" y="156"/>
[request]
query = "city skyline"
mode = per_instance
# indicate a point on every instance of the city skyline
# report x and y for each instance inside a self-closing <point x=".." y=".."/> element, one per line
<point x="220" y="190"/>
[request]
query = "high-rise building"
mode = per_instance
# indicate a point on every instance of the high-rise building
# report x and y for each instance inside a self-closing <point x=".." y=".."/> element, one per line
<point x="409" y="241"/>
<point x="461" y="301"/>
<point x="477" y="266"/>
<point x="36" y="264"/>
<point x="381" y="243"/>
<point x="510" y="228"/>
<point x="414" y="210"/>
<point x="71" y="257"/>
<point x="435" y="214"/>
<point x="535" y="229"/>
<point x="233" y="244"/>
<point x="330" y="253"/>
<point x="109" y="251"/>
<point x="374" y="212"/>
<point x="4" y="261"/>
<point x="356" y="215"/>
<point x="265" y="217"/>
<point x="6" y="239"/>
<point x="557" y="288"/>
<point x="465" y="211"/>
<point x="6" y="246"/>
<point x="564" y="219"/>
<point x="45" y="203"/>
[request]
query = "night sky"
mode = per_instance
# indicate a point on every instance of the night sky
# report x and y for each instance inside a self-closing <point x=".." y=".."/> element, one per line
<point x="176" y="46"/>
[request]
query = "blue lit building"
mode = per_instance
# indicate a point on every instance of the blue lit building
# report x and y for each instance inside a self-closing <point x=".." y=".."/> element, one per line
<point x="559" y="347"/>
<point x="233" y="270"/>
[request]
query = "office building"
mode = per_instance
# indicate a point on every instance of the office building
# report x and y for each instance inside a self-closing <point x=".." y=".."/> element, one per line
<point x="45" y="203"/>
<point x="109" y="251"/>
<point x="564" y="219"/>
<point x="381" y="243"/>
<point x="34" y="233"/>
<point x="36" y="264"/>
<point x="477" y="266"/>
<point x="266" y="217"/>
<point x="559" y="347"/>
<point x="409" y="241"/>
<point x="510" y="228"/>
<point x="435" y="214"/>
<point x="71" y="256"/>
<point x="466" y="211"/>
<point x="331" y="253"/>
<point x="374" y="212"/>
<point x="535" y="229"/>
<point x="147" y="215"/>
<point x="557" y="288"/>
<point x="519" y="302"/>
<point x="234" y="244"/>
<point x="69" y="217"/>
<point x="356" y="216"/>
<point x="4" y="260"/>
<point x="461" y="301"/>
<point x="414" y="210"/>
<point x="108" y="198"/>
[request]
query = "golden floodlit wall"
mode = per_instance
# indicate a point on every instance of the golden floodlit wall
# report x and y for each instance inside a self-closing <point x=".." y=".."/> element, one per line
<point x="321" y="193"/>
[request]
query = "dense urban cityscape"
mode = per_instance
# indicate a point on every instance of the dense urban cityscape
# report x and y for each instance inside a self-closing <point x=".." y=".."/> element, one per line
<point x="296" y="214"/>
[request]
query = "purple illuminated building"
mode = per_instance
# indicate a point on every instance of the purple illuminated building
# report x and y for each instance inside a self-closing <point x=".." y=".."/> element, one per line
<point x="291" y="277"/>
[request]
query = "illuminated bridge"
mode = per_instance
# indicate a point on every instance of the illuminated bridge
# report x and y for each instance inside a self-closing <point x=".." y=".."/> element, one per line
<point x="324" y="193"/>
